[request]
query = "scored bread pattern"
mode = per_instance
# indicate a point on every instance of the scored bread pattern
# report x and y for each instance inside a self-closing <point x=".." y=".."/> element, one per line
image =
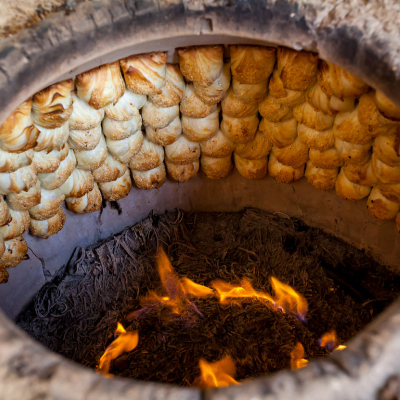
<point x="132" y="122"/>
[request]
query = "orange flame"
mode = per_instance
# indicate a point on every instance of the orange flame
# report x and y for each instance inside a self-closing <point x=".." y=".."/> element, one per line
<point x="330" y="341"/>
<point x="126" y="341"/>
<point x="216" y="374"/>
<point x="296" y="357"/>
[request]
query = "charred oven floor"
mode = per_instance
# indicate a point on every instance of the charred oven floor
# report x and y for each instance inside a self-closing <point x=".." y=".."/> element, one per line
<point x="76" y="314"/>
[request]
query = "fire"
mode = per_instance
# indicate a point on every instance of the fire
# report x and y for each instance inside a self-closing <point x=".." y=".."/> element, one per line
<point x="178" y="290"/>
<point x="216" y="374"/>
<point x="286" y="298"/>
<point x="126" y="341"/>
<point x="329" y="340"/>
<point x="296" y="357"/>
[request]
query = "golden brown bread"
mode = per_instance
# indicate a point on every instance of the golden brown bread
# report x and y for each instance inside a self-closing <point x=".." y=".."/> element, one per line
<point x="52" y="106"/>
<point x="118" y="189"/>
<point x="295" y="155"/>
<point x="158" y="117"/>
<point x="281" y="134"/>
<point x="257" y="149"/>
<point x="233" y="107"/>
<point x="199" y="129"/>
<point x="101" y="86"/>
<point x="172" y="92"/>
<point x="182" y="151"/>
<point x="10" y="162"/>
<point x="151" y="179"/>
<point x="145" y="73"/>
<point x="213" y="94"/>
<point x="18" y="225"/>
<point x="336" y="81"/>
<point x="110" y="170"/>
<point x="52" y="139"/>
<point x="240" y="130"/>
<point x="5" y="216"/>
<point x="182" y="172"/>
<point x="201" y="63"/>
<point x="351" y="153"/>
<point x="15" y="182"/>
<point x="327" y="159"/>
<point x="390" y="191"/>
<point x="18" y="133"/>
<point x="297" y="69"/>
<point x="386" y="107"/>
<point x="385" y="173"/>
<point x="84" y="140"/>
<point x="50" y="203"/>
<point x="78" y="183"/>
<point x="48" y="227"/>
<point x="119" y="130"/>
<point x="149" y="156"/>
<point x="386" y="148"/>
<point x="252" y="64"/>
<point x="251" y="169"/>
<point x="24" y="200"/>
<point x="361" y="174"/>
<point x="3" y="273"/>
<point x="250" y="93"/>
<point x="15" y="252"/>
<point x="320" y="140"/>
<point x="192" y="105"/>
<point x="348" y="190"/>
<point x="48" y="162"/>
<point x="127" y="107"/>
<point x="272" y="110"/>
<point x="124" y="150"/>
<point x="285" y="96"/>
<point x="83" y="116"/>
<point x="217" y="146"/>
<point x="216" y="168"/>
<point x="380" y="207"/>
<point x="342" y="105"/>
<point x="284" y="173"/>
<point x="320" y="178"/>
<point x="89" y="160"/>
<point x="316" y="97"/>
<point x="311" y="117"/>
<point x="88" y="203"/>
<point x="167" y="135"/>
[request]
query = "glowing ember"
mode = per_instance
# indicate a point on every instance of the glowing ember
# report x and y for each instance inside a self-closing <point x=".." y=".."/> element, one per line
<point x="329" y="340"/>
<point x="177" y="289"/>
<point x="126" y="341"/>
<point x="216" y="374"/>
<point x="296" y="357"/>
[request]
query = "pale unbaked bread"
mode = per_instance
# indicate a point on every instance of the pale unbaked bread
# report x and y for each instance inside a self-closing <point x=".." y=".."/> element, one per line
<point x="201" y="63"/>
<point x="24" y="200"/>
<point x="192" y="105"/>
<point x="385" y="173"/>
<point x="15" y="182"/>
<point x="52" y="139"/>
<point x="127" y="107"/>
<point x="348" y="190"/>
<point x="84" y="140"/>
<point x="10" y="162"/>
<point x="118" y="189"/>
<point x="386" y="148"/>
<point x="347" y="127"/>
<point x="307" y="115"/>
<point x="18" y="225"/>
<point x="282" y="133"/>
<point x="272" y="110"/>
<point x="149" y="156"/>
<point x="361" y="174"/>
<point x="233" y="107"/>
<point x="199" y="129"/>
<point x="217" y="146"/>
<point x="124" y="150"/>
<point x="321" y="178"/>
<point x="89" y="160"/>
<point x="240" y="130"/>
<point x="119" y="130"/>
<point x="55" y="179"/>
<point x="328" y="159"/>
<point x="101" y="86"/>
<point x="145" y="73"/>
<point x="284" y="173"/>
<point x="83" y="116"/>
<point x="380" y="207"/>
<point x="214" y="93"/>
<point x="52" y="106"/>
<point x="371" y="119"/>
<point x="15" y="252"/>
<point x="216" y="168"/>
<point x="158" y="117"/>
<point x="252" y="64"/>
<point x="182" y="172"/>
<point x="5" y="216"/>
<point x="182" y="151"/>
<point x="78" y="184"/>
<point x="48" y="162"/>
<point x="390" y="191"/>
<point x="316" y="97"/>
<point x="250" y="93"/>
<point x="257" y="149"/>
<point x="151" y="179"/>
<point x="167" y="135"/>
<point x="336" y="81"/>
<point x="251" y="169"/>
<point x="88" y="203"/>
<point x="172" y="92"/>
<point x="353" y="153"/>
<point x="295" y="155"/>
<point x="50" y="203"/>
<point x="320" y="140"/>
<point x="386" y="107"/>
<point x="110" y="170"/>
<point x="48" y="227"/>
<point x="18" y="133"/>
